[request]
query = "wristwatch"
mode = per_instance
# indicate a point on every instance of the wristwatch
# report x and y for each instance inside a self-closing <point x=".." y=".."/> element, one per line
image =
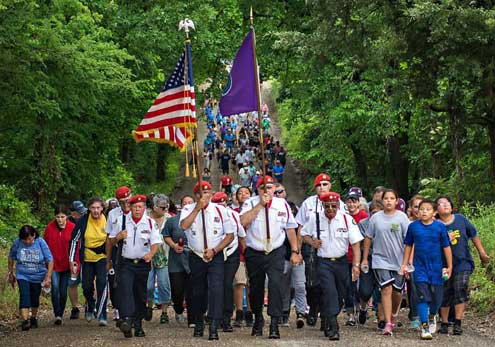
<point x="356" y="265"/>
<point x="296" y="251"/>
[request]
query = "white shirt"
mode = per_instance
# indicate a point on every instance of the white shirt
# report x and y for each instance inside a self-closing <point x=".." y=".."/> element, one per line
<point x="114" y="222"/>
<point x="239" y="232"/>
<point x="310" y="206"/>
<point x="140" y="237"/>
<point x="335" y="235"/>
<point x="218" y="223"/>
<point x="280" y="219"/>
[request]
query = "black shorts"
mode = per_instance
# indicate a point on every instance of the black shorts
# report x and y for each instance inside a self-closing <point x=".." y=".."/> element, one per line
<point x="385" y="277"/>
<point x="430" y="293"/>
<point x="456" y="289"/>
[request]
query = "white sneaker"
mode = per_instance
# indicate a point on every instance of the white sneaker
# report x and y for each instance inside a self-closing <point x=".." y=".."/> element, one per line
<point x="425" y="334"/>
<point x="432" y="327"/>
<point x="58" y="321"/>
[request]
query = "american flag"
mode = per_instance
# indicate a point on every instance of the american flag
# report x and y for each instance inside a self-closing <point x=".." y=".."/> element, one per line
<point x="173" y="110"/>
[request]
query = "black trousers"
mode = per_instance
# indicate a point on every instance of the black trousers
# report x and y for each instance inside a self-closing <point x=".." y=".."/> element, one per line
<point x="91" y="273"/>
<point x="259" y="265"/>
<point x="112" y="279"/>
<point x="334" y="278"/>
<point x="231" y="265"/>
<point x="133" y="279"/>
<point x="180" y="287"/>
<point x="206" y="287"/>
<point x="313" y="297"/>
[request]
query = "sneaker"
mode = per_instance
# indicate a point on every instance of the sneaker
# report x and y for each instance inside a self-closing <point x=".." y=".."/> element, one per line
<point x="415" y="324"/>
<point x="300" y="320"/>
<point x="74" y="313"/>
<point x="89" y="316"/>
<point x="164" y="318"/>
<point x="34" y="322"/>
<point x="363" y="315"/>
<point x="179" y="318"/>
<point x="191" y="325"/>
<point x="388" y="329"/>
<point x="432" y="327"/>
<point x="102" y="322"/>
<point x="58" y="321"/>
<point x="25" y="326"/>
<point x="381" y="325"/>
<point x="351" y="320"/>
<point x="425" y="333"/>
<point x="444" y="328"/>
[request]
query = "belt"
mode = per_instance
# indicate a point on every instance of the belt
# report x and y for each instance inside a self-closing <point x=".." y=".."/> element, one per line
<point x="344" y="257"/>
<point x="135" y="261"/>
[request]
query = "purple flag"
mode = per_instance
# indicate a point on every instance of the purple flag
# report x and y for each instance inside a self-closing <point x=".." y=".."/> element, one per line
<point x="239" y="95"/>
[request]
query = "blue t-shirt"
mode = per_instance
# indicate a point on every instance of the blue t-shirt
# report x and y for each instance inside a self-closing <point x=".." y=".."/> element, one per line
<point x="278" y="171"/>
<point x="429" y="241"/>
<point x="229" y="139"/>
<point x="463" y="230"/>
<point x="31" y="260"/>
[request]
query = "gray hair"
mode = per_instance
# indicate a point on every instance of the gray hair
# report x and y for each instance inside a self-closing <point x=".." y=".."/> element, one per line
<point x="161" y="199"/>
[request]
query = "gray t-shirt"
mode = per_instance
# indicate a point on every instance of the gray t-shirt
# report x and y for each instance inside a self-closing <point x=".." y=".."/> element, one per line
<point x="388" y="233"/>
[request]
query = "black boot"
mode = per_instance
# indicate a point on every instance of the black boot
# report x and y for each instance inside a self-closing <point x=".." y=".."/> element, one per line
<point x="274" y="333"/>
<point x="333" y="333"/>
<point x="258" y="325"/>
<point x="227" y="328"/>
<point x="213" y="330"/>
<point x="138" y="328"/>
<point x="199" y="327"/>
<point x="126" y="327"/>
<point x="238" y="318"/>
<point x="249" y="318"/>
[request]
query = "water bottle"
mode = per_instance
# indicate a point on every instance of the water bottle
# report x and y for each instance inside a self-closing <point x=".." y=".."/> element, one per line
<point x="181" y="242"/>
<point x="365" y="269"/>
<point x="46" y="290"/>
<point x="445" y="274"/>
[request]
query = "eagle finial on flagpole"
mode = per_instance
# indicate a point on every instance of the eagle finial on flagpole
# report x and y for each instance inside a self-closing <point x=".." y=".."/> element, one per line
<point x="186" y="25"/>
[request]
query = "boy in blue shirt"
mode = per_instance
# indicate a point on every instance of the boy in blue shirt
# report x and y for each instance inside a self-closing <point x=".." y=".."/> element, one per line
<point x="430" y="239"/>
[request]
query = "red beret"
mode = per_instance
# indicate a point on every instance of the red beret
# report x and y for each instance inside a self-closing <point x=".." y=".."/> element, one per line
<point x="204" y="185"/>
<point x="137" y="198"/>
<point x="321" y="177"/>
<point x="262" y="180"/>
<point x="330" y="197"/>
<point x="123" y="193"/>
<point x="219" y="197"/>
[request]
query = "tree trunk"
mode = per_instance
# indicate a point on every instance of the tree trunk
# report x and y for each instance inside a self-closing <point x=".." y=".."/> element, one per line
<point x="456" y="142"/>
<point x="399" y="162"/>
<point x="360" y="165"/>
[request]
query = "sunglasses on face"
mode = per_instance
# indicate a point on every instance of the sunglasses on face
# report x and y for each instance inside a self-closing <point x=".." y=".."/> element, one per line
<point x="163" y="207"/>
<point x="279" y="191"/>
<point x="322" y="184"/>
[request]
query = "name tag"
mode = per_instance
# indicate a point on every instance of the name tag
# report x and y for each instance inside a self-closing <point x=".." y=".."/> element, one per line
<point x="341" y="230"/>
<point x="281" y="214"/>
<point x="145" y="231"/>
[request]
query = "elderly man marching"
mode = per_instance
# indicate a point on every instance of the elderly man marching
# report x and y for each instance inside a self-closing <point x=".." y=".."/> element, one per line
<point x="267" y="220"/>
<point x="337" y="230"/>
<point x="209" y="229"/>
<point x="140" y="243"/>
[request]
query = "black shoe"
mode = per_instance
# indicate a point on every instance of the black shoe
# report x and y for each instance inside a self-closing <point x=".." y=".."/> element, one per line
<point x="333" y="332"/>
<point x="139" y="332"/>
<point x="126" y="328"/>
<point x="300" y="320"/>
<point x="259" y="322"/>
<point x="238" y="318"/>
<point x="274" y="333"/>
<point x="199" y="328"/>
<point x="25" y="326"/>
<point x="249" y="318"/>
<point x="457" y="329"/>
<point x="381" y="324"/>
<point x="149" y="314"/>
<point x="226" y="327"/>
<point x="74" y="313"/>
<point x="363" y="315"/>
<point x="34" y="322"/>
<point x="213" y="330"/>
<point x="444" y="328"/>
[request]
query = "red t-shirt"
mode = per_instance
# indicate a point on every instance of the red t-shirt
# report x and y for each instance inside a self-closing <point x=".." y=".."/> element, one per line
<point x="58" y="241"/>
<point x="357" y="218"/>
<point x="226" y="181"/>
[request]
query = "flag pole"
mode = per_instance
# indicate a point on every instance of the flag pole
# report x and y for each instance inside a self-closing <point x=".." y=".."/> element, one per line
<point x="187" y="24"/>
<point x="262" y="143"/>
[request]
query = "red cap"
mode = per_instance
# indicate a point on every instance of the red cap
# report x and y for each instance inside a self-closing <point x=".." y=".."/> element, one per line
<point x="137" y="198"/>
<point x="330" y="197"/>
<point x="219" y="197"/>
<point x="123" y="193"/>
<point x="262" y="180"/>
<point x="204" y="185"/>
<point x="321" y="177"/>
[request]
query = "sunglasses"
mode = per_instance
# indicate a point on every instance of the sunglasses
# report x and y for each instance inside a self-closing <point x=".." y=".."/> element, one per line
<point x="163" y="207"/>
<point x="322" y="184"/>
<point x="331" y="207"/>
<point x="279" y="191"/>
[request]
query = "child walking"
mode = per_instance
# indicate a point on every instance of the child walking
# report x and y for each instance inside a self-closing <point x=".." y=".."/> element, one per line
<point x="429" y="238"/>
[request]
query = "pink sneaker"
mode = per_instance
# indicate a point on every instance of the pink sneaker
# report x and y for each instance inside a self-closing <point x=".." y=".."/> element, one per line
<point x="388" y="329"/>
<point x="394" y="321"/>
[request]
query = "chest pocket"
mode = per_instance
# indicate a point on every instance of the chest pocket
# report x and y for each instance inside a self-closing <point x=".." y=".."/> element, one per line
<point x="341" y="231"/>
<point x="283" y="217"/>
<point x="145" y="235"/>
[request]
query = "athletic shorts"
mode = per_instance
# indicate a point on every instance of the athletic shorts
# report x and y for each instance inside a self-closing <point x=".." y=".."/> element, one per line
<point x="456" y="289"/>
<point x="75" y="282"/>
<point x="241" y="275"/>
<point x="386" y="277"/>
<point x="430" y="293"/>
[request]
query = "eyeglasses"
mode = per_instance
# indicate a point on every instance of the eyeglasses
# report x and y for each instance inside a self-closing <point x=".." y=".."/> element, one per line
<point x="279" y="191"/>
<point x="331" y="207"/>
<point x="163" y="207"/>
<point x="322" y="184"/>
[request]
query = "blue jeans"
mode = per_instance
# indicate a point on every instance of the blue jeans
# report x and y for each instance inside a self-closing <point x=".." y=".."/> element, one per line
<point x="163" y="282"/>
<point x="29" y="294"/>
<point x="60" y="282"/>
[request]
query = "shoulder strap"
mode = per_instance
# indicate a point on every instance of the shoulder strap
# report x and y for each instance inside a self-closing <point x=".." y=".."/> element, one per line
<point x="149" y="222"/>
<point x="287" y="209"/>
<point x="219" y="213"/>
<point x="123" y="221"/>
<point x="236" y="222"/>
<point x="345" y="220"/>
<point x="318" y="232"/>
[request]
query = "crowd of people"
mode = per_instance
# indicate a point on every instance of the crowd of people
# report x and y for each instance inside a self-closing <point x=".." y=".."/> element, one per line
<point x="221" y="255"/>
